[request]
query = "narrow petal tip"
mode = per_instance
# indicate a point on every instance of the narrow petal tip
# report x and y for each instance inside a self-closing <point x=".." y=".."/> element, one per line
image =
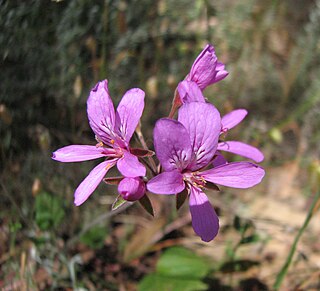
<point x="77" y="203"/>
<point x="205" y="221"/>
<point x="242" y="149"/>
<point x="233" y="118"/>
<point x="236" y="174"/>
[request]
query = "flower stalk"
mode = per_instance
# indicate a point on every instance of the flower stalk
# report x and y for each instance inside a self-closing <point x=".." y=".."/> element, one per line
<point x="284" y="270"/>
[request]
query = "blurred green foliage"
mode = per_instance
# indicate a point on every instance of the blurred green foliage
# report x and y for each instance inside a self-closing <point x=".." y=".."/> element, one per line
<point x="49" y="211"/>
<point x="53" y="52"/>
<point x="94" y="237"/>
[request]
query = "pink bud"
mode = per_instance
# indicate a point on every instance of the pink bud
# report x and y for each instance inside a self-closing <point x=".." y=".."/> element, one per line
<point x="206" y="69"/>
<point x="132" y="189"/>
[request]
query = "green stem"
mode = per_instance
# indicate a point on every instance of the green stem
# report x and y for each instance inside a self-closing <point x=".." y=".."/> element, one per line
<point x="286" y="265"/>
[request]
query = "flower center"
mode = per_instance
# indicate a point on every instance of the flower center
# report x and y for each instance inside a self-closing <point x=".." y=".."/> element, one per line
<point x="194" y="179"/>
<point x="114" y="152"/>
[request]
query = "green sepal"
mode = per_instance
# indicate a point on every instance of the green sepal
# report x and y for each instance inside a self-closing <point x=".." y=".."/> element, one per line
<point x="142" y="153"/>
<point x="211" y="186"/>
<point x="146" y="204"/>
<point x="181" y="198"/>
<point x="118" y="202"/>
<point x="112" y="180"/>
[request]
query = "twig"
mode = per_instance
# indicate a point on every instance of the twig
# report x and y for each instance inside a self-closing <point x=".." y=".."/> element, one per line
<point x="287" y="263"/>
<point x="176" y="103"/>
<point x="149" y="167"/>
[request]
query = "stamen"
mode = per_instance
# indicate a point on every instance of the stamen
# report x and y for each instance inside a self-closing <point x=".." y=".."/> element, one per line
<point x="108" y="167"/>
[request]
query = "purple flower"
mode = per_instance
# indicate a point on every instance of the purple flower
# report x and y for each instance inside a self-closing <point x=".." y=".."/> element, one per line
<point x="206" y="69"/>
<point x="113" y="132"/>
<point x="190" y="92"/>
<point x="132" y="189"/>
<point x="229" y="121"/>
<point x="184" y="148"/>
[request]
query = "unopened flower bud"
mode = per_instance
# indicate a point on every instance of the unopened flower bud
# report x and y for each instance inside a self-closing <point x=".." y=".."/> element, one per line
<point x="132" y="189"/>
<point x="206" y="69"/>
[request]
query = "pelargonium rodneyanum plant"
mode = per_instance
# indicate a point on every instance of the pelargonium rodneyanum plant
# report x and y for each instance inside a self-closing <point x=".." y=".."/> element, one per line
<point x="188" y="148"/>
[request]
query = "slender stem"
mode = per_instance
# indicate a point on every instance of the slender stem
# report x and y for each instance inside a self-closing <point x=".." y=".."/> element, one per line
<point x="286" y="265"/>
<point x="144" y="145"/>
<point x="176" y="103"/>
<point x="173" y="110"/>
<point x="149" y="167"/>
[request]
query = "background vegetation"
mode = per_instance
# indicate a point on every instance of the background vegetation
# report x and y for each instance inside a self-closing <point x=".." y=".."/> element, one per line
<point x="53" y="52"/>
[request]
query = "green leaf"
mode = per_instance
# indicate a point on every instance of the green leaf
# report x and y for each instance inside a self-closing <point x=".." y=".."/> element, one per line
<point x="158" y="282"/>
<point x="49" y="211"/>
<point x="118" y="202"/>
<point x="180" y="262"/>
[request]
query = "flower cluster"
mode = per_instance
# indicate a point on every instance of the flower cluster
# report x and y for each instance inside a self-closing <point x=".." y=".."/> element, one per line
<point x="188" y="148"/>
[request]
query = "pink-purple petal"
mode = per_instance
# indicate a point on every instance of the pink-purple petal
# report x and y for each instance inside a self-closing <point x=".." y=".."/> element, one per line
<point x="203" y="123"/>
<point x="221" y="72"/>
<point x="233" y="118"/>
<point x="205" y="221"/>
<point x="166" y="183"/>
<point x="101" y="112"/>
<point x="129" y="166"/>
<point x="129" y="112"/>
<point x="219" y="159"/>
<point x="172" y="144"/>
<point x="91" y="182"/>
<point x="78" y="153"/>
<point x="190" y="92"/>
<point x="236" y="175"/>
<point x="241" y="149"/>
